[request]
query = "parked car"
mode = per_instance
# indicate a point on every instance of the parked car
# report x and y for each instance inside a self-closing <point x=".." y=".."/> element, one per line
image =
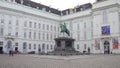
<point x="31" y="52"/>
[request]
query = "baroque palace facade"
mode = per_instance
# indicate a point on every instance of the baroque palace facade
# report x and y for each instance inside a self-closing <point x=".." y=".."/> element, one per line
<point x="28" y="26"/>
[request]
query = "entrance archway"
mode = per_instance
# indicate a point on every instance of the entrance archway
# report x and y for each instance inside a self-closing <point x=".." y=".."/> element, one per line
<point x="24" y="47"/>
<point x="106" y="47"/>
<point x="9" y="45"/>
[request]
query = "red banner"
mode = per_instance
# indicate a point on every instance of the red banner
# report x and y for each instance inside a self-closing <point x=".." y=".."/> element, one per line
<point x="115" y="43"/>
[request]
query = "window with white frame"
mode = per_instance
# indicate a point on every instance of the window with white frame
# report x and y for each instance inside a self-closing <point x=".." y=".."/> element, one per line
<point x="30" y="35"/>
<point x="39" y="25"/>
<point x="30" y="24"/>
<point x="25" y="24"/>
<point x="34" y="35"/>
<point x="17" y="22"/>
<point x="104" y="16"/>
<point x="35" y="25"/>
<point x="77" y="46"/>
<point x="29" y="46"/>
<point x="34" y="46"/>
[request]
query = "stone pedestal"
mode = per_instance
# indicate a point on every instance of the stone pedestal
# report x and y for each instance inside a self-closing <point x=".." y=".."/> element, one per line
<point x="64" y="46"/>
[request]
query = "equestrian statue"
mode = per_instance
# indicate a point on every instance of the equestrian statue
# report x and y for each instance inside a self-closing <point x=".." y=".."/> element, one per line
<point x="64" y="29"/>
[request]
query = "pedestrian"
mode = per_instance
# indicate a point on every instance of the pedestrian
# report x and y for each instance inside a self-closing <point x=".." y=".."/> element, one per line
<point x="12" y="52"/>
<point x="9" y="52"/>
<point x="88" y="50"/>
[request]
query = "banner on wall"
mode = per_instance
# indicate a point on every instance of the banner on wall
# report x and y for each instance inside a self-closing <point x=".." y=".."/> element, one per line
<point x="115" y="43"/>
<point x="105" y="30"/>
<point x="97" y="43"/>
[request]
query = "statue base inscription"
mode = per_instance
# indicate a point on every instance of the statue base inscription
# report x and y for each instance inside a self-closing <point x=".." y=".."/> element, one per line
<point x="64" y="46"/>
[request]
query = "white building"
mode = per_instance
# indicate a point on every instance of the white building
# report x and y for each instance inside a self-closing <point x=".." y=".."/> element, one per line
<point x="28" y="26"/>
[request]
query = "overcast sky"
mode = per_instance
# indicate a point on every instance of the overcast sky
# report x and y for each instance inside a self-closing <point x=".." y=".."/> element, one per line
<point x="63" y="4"/>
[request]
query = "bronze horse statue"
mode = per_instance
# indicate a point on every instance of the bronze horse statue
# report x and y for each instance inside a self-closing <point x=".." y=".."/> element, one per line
<point x="64" y="29"/>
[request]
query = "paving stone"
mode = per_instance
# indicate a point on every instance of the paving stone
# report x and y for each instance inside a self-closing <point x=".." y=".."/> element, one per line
<point x="38" y="61"/>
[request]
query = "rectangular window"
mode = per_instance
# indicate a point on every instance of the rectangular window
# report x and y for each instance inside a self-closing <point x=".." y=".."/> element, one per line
<point x="34" y="35"/>
<point x="77" y="46"/>
<point x="34" y="46"/>
<point x="39" y="25"/>
<point x="29" y="46"/>
<point x="47" y="36"/>
<point x="47" y="27"/>
<point x="51" y="47"/>
<point x="25" y="24"/>
<point x="85" y="46"/>
<point x="16" y="44"/>
<point x="43" y="26"/>
<point x="51" y="27"/>
<point x="54" y="28"/>
<point x="47" y="47"/>
<point x="29" y="34"/>
<point x="105" y="17"/>
<point x="43" y="36"/>
<point x="39" y="36"/>
<point x="35" y="25"/>
<point x="51" y="37"/>
<point x="30" y="24"/>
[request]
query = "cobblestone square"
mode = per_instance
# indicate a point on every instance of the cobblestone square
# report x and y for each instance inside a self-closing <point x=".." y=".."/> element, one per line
<point x="38" y="61"/>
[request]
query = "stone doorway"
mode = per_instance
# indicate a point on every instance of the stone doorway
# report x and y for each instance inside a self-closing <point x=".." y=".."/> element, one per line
<point x="106" y="47"/>
<point x="9" y="46"/>
<point x="24" y="47"/>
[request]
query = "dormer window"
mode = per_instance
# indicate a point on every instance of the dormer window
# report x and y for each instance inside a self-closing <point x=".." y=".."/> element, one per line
<point x="71" y="11"/>
<point x="66" y="12"/>
<point x="81" y="9"/>
<point x="44" y="9"/>
<point x="49" y="11"/>
<point x="21" y="1"/>
<point x="37" y="7"/>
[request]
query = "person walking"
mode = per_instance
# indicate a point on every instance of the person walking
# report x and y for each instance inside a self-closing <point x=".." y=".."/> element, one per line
<point x="9" y="52"/>
<point x="89" y="50"/>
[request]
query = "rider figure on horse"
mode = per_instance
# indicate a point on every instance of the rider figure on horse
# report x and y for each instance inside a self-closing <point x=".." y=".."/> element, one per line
<point x="64" y="29"/>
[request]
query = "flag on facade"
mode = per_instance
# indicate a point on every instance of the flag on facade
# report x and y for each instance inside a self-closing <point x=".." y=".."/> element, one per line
<point x="115" y="43"/>
<point x="95" y="42"/>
